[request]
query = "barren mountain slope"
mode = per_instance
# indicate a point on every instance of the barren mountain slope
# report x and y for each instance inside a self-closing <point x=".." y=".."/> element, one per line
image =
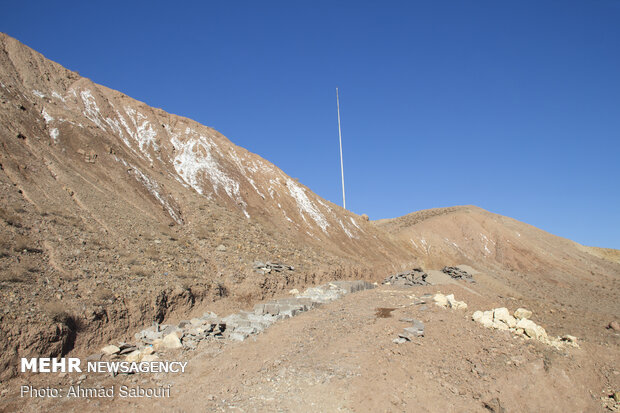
<point x="518" y="260"/>
<point x="119" y="213"/>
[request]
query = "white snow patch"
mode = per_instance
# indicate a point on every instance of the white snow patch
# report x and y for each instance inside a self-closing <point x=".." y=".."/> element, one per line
<point x="355" y="223"/>
<point x="125" y="125"/>
<point x="426" y="246"/>
<point x="144" y="133"/>
<point x="486" y="243"/>
<point x="272" y="183"/>
<point x="324" y="204"/>
<point x="153" y="188"/>
<point x="54" y="134"/>
<point x="194" y="159"/>
<point x="346" y="231"/>
<point x="38" y="94"/>
<point x="91" y="110"/>
<point x="46" y="116"/>
<point x="58" y="96"/>
<point x="305" y="205"/>
<point x="255" y="187"/>
<point x="115" y="125"/>
<point x="246" y="214"/>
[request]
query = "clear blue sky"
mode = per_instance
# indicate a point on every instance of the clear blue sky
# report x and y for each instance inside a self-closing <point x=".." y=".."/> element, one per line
<point x="513" y="106"/>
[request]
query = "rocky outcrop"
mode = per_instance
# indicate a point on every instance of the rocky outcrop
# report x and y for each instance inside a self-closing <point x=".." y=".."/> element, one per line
<point x="458" y="274"/>
<point x="448" y="301"/>
<point x="410" y="278"/>
<point x="520" y="325"/>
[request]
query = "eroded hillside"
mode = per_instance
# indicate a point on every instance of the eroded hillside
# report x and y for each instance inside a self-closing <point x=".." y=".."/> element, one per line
<point x="115" y="213"/>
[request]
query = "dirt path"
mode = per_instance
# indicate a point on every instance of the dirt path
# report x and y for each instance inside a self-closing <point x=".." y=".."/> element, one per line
<point x="340" y="357"/>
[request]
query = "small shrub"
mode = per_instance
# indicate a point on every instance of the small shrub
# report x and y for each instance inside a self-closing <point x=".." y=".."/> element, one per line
<point x="10" y="218"/>
<point x="57" y="312"/>
<point x="133" y="260"/>
<point x="152" y="253"/>
<point x="204" y="233"/>
<point x="103" y="295"/>
<point x="23" y="243"/>
<point x="140" y="271"/>
<point x="18" y="275"/>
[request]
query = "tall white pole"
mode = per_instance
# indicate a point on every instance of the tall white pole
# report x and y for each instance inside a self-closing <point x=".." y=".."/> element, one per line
<point x="344" y="202"/>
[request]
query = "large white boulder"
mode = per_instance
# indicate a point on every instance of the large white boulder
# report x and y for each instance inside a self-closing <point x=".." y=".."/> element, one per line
<point x="531" y="329"/>
<point x="134" y="356"/>
<point x="111" y="349"/>
<point x="453" y="303"/>
<point x="522" y="313"/>
<point x="441" y="300"/>
<point x="500" y="325"/>
<point x="171" y="341"/>
<point x="503" y="315"/>
<point x="487" y="319"/>
<point x="477" y="316"/>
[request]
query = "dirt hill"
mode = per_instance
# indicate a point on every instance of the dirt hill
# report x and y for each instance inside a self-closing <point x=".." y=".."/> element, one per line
<point x="115" y="211"/>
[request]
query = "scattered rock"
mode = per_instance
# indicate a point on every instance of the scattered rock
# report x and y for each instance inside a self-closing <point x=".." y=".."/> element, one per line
<point x="614" y="326"/>
<point x="134" y="357"/>
<point x="189" y="333"/>
<point x="408" y="278"/>
<point x="268" y="267"/>
<point x="502" y="315"/>
<point x="501" y="319"/>
<point x="522" y="313"/>
<point x="365" y="217"/>
<point x="171" y="341"/>
<point x="150" y="357"/>
<point x="110" y="350"/>
<point x="449" y="301"/>
<point x="294" y="291"/>
<point x="532" y="329"/>
<point x="494" y="406"/>
<point x="220" y="248"/>
<point x="440" y="300"/>
<point x="453" y="303"/>
<point x="147" y="350"/>
<point x="458" y="274"/>
<point x="416" y="330"/>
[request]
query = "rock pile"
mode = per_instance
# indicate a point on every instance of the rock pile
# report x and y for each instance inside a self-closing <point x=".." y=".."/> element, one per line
<point x="191" y="332"/>
<point x="410" y="278"/>
<point x="458" y="274"/>
<point x="268" y="267"/>
<point x="239" y="326"/>
<point x="416" y="330"/>
<point x="520" y="324"/>
<point x="448" y="301"/>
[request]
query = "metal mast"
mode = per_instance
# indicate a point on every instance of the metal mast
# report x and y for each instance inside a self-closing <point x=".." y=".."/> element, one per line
<point x="344" y="203"/>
